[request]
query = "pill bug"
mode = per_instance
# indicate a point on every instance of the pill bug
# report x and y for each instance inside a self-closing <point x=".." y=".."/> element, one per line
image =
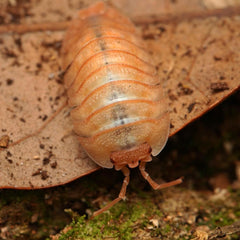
<point x="118" y="108"/>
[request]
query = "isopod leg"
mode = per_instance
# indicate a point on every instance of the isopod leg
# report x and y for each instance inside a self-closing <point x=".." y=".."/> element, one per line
<point x="121" y="195"/>
<point x="155" y="185"/>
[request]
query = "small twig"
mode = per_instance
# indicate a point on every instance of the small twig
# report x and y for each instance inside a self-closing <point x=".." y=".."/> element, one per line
<point x="184" y="16"/>
<point x="141" y="20"/>
<point x="219" y="232"/>
<point x="35" y="27"/>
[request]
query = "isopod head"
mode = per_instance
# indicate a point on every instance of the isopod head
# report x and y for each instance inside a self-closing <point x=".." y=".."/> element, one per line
<point x="132" y="156"/>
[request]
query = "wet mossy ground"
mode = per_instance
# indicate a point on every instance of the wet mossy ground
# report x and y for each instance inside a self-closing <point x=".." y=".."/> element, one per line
<point x="175" y="218"/>
<point x="206" y="153"/>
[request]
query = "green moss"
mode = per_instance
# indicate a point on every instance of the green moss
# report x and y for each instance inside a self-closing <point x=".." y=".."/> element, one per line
<point x="128" y="220"/>
<point x="118" y="223"/>
<point x="237" y="213"/>
<point x="222" y="212"/>
<point x="235" y="237"/>
<point x="167" y="228"/>
<point x="220" y="219"/>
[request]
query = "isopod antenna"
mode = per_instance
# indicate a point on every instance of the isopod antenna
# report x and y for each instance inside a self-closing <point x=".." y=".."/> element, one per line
<point x="155" y="185"/>
<point x="126" y="173"/>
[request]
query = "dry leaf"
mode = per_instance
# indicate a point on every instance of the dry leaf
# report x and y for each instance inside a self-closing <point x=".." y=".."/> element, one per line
<point x="197" y="60"/>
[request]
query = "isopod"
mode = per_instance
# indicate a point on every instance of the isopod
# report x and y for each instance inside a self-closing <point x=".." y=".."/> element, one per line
<point x="118" y="108"/>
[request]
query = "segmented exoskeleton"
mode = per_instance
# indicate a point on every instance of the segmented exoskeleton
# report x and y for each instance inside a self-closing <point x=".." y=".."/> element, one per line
<point x="118" y="108"/>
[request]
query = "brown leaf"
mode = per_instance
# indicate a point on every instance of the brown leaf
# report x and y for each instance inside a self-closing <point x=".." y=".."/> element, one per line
<point x="197" y="58"/>
<point x="34" y="115"/>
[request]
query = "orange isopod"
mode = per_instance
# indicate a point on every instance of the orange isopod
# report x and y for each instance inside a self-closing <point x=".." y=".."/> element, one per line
<point x="118" y="108"/>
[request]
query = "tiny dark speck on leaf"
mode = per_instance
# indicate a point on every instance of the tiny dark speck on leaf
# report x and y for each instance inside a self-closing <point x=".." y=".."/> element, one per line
<point x="39" y="65"/>
<point x="56" y="44"/>
<point x="53" y="165"/>
<point x="44" y="117"/>
<point x="44" y="175"/>
<point x="41" y="146"/>
<point x="184" y="90"/>
<point x="4" y="140"/>
<point x="18" y="42"/>
<point x="9" y="81"/>
<point x="30" y="183"/>
<point x="172" y="97"/>
<point x="9" y="53"/>
<point x="46" y="161"/>
<point x="41" y="172"/>
<point x="147" y="36"/>
<point x="191" y="107"/>
<point x="9" y="154"/>
<point x="219" y="87"/>
<point x="216" y="58"/>
<point x="10" y="161"/>
<point x="38" y="172"/>
<point x="22" y="120"/>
